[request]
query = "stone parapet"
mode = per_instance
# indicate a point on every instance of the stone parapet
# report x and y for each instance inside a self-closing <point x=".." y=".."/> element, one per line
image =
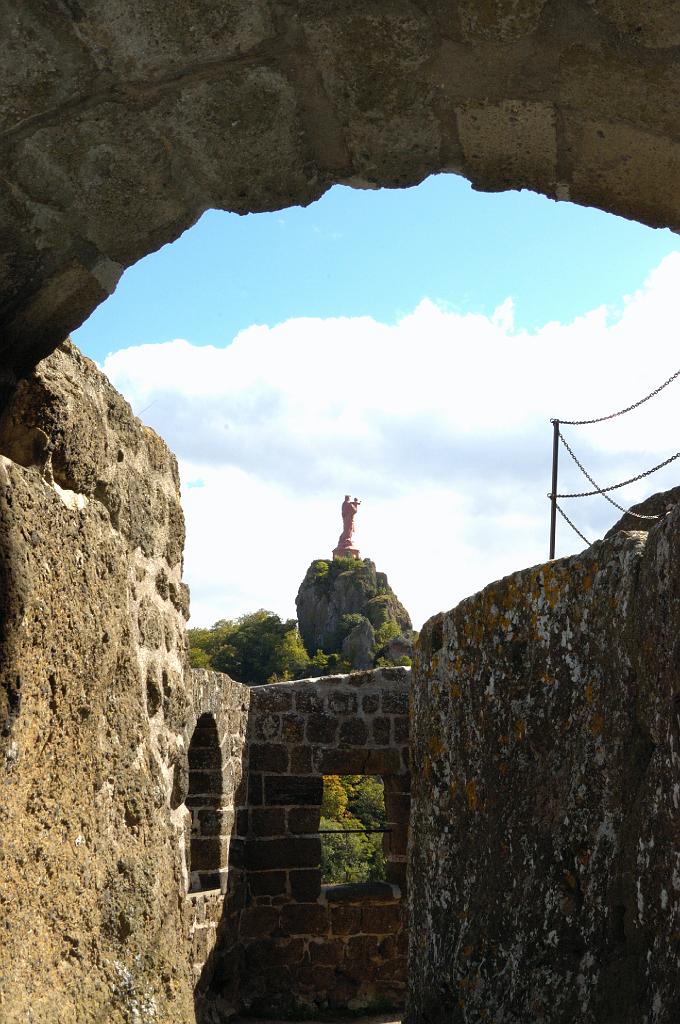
<point x="544" y="881"/>
<point x="306" y="945"/>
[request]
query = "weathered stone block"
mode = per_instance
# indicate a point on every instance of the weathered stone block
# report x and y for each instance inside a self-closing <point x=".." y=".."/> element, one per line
<point x="360" y="892"/>
<point x="208" y="853"/>
<point x="268" y="953"/>
<point x="328" y="952"/>
<point x="301" y="760"/>
<point x="309" y="701"/>
<point x="268" y="821"/>
<point x="341" y="702"/>
<point x="353" y="732"/>
<point x="381" y="920"/>
<point x="304" y="919"/>
<point x="321" y="728"/>
<point x="293" y="789"/>
<point x="258" y="922"/>
<point x="361" y="947"/>
<point x="267" y="883"/>
<point x="383" y="761"/>
<point x="274" y="697"/>
<point x="305" y="885"/>
<point x="341" y="762"/>
<point x="293" y="728"/>
<point x="205" y="783"/>
<point x="381" y="728"/>
<point x="401" y="729"/>
<point x="266" y="726"/>
<point x="395" y="702"/>
<point x="255" y="789"/>
<point x="215" y="821"/>
<point x="345" y="920"/>
<point x="370" y="703"/>
<point x="300" y="851"/>
<point x="269" y="757"/>
<point x="303" y="819"/>
<point x="205" y="757"/>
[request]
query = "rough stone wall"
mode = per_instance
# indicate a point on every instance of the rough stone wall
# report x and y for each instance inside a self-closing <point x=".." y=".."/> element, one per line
<point x="307" y="945"/>
<point x="95" y="714"/>
<point x="121" y="122"/>
<point x="545" y="857"/>
<point x="215" y="791"/>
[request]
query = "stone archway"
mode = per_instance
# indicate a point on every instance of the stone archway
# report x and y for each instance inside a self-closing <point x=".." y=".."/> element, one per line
<point x="122" y="124"/>
<point x="207" y="843"/>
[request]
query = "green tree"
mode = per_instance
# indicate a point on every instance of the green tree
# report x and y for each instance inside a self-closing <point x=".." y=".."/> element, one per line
<point x="352" y="802"/>
<point x="252" y="649"/>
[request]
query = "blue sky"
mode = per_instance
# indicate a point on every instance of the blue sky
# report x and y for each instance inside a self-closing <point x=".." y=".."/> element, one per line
<point x="408" y="347"/>
<point x="377" y="253"/>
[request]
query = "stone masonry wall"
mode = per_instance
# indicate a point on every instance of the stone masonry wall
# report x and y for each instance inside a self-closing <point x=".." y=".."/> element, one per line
<point x="213" y="787"/>
<point x="544" y="872"/>
<point x="308" y="946"/>
<point x="96" y="712"/>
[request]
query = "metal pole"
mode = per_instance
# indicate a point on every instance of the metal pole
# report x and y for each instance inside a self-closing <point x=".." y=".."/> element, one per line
<point x="553" y="491"/>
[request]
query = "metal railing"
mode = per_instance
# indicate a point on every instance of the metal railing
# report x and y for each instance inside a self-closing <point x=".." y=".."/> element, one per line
<point x="558" y="438"/>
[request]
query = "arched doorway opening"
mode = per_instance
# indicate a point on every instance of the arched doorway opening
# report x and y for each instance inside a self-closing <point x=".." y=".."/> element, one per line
<point x="207" y="846"/>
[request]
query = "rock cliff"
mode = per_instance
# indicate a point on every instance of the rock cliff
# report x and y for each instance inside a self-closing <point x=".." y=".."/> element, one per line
<point x="345" y="606"/>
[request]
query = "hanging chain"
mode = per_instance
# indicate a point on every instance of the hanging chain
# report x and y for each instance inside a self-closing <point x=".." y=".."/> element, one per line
<point x="613" y="487"/>
<point x="566" y="517"/>
<point x="635" y="405"/>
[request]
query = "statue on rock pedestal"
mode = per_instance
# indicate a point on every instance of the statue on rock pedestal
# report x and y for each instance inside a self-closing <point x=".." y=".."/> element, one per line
<point x="345" y="548"/>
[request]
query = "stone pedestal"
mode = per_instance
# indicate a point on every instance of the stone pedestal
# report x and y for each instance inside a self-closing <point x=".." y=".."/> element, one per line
<point x="346" y="552"/>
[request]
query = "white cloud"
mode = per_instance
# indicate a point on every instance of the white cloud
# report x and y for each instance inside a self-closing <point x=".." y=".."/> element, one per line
<point x="439" y="423"/>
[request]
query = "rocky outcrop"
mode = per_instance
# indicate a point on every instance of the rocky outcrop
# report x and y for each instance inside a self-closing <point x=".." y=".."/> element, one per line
<point x="96" y="712"/>
<point x="544" y="880"/>
<point x="652" y="509"/>
<point x="120" y="122"/>
<point x="344" y="605"/>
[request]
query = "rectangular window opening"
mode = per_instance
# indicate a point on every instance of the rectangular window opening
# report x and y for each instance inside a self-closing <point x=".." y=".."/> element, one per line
<point x="352" y="829"/>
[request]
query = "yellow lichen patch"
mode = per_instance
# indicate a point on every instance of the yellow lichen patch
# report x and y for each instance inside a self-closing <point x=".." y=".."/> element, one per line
<point x="435" y="746"/>
<point x="519" y="728"/>
<point x="471" y="794"/>
<point x="453" y="789"/>
<point x="455" y="690"/>
<point x="597" y="724"/>
<point x="551" y="586"/>
<point x="589" y="693"/>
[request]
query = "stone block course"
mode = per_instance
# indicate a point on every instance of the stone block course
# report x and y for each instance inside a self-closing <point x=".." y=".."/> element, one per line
<point x="303" y="819"/>
<point x="305" y="885"/>
<point x="298" y="851"/>
<point x="293" y="789"/>
<point x="334" y="943"/>
<point x="269" y="757"/>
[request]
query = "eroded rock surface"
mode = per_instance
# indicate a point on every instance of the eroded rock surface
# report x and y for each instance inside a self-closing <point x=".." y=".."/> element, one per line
<point x="545" y="864"/>
<point x="121" y="122"/>
<point x="344" y="605"/>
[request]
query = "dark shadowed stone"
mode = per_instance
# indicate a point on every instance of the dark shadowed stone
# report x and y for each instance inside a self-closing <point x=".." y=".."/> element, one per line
<point x="293" y="789"/>
<point x="356" y="892"/>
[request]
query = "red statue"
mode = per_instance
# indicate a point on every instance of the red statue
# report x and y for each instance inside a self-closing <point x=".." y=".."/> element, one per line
<point x="345" y="548"/>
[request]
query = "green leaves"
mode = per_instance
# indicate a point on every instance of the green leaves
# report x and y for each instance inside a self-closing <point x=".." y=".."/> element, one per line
<point x="256" y="648"/>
